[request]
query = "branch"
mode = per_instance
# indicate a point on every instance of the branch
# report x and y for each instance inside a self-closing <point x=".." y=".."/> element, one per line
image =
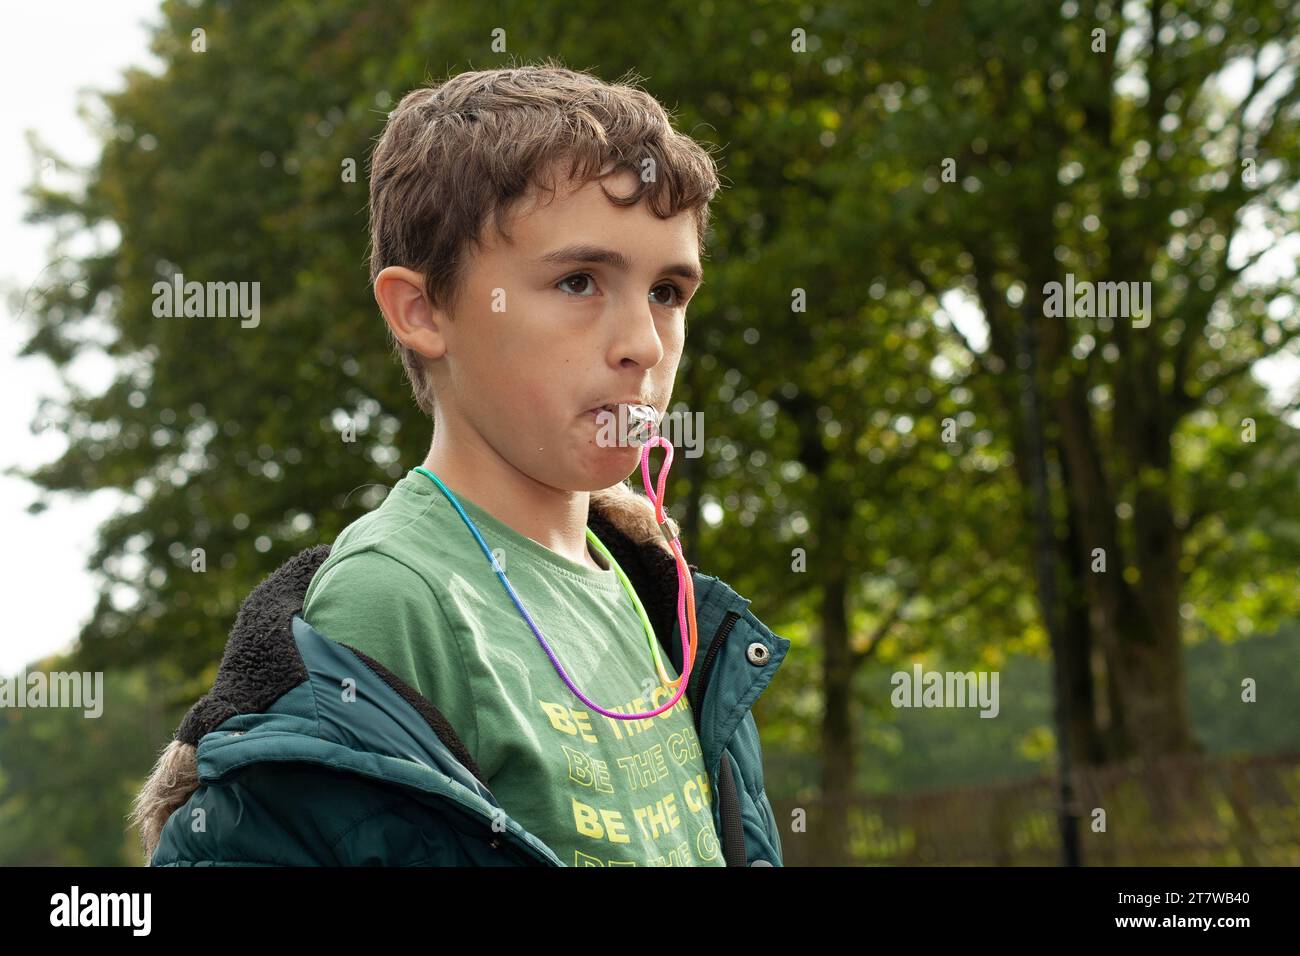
<point x="1237" y="118"/>
<point x="1234" y="371"/>
<point x="1156" y="93"/>
<point x="1192" y="333"/>
<point x="908" y="261"/>
<point x="953" y="607"/>
<point x="957" y="605"/>
<point x="880" y="630"/>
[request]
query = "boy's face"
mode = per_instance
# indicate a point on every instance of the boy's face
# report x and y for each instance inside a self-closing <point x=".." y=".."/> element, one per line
<point x="545" y="332"/>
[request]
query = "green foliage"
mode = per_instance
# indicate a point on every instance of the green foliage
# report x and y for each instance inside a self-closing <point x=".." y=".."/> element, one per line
<point x="67" y="780"/>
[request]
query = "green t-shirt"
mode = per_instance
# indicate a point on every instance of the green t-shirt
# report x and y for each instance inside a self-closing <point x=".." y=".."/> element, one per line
<point x="409" y="585"/>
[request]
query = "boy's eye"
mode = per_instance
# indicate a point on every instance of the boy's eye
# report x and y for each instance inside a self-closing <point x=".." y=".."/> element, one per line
<point x="676" y="290"/>
<point x="589" y="279"/>
<point x="577" y="275"/>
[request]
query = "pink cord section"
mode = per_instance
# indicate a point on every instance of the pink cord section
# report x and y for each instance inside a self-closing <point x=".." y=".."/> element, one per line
<point x="682" y="569"/>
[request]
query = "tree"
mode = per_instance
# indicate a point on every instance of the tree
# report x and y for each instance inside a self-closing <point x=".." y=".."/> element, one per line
<point x="1098" y="142"/>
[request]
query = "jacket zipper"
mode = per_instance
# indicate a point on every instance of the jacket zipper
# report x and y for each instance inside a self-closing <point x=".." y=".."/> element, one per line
<point x="730" y="834"/>
<point x="706" y="669"/>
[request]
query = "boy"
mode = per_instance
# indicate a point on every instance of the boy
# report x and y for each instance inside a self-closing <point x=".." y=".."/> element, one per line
<point x="535" y="243"/>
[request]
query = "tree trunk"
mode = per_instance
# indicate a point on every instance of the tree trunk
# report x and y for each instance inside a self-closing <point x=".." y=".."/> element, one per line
<point x="1086" y="715"/>
<point x="1151" y="653"/>
<point x="837" y="724"/>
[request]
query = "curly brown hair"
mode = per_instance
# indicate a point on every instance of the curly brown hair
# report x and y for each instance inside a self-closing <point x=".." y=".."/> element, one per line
<point x="454" y="154"/>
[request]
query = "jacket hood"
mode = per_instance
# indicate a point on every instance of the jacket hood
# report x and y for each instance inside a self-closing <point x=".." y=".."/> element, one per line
<point x="261" y="661"/>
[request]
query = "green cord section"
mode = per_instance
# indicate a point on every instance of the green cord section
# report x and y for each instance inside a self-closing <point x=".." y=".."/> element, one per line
<point x="636" y="600"/>
<point x="627" y="585"/>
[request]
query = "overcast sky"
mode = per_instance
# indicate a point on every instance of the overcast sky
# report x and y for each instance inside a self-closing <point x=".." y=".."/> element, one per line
<point x="49" y="52"/>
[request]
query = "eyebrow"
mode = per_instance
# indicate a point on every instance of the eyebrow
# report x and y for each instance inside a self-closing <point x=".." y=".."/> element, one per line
<point x="612" y="257"/>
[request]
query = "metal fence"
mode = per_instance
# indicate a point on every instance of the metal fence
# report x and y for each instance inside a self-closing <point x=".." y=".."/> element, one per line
<point x="1193" y="811"/>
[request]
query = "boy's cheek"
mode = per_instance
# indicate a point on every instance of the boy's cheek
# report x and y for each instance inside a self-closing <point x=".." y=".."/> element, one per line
<point x="543" y="398"/>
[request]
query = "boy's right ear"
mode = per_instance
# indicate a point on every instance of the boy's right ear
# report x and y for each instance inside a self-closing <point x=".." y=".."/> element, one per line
<point x="416" y="323"/>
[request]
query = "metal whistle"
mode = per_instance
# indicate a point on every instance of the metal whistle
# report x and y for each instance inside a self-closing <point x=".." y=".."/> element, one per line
<point x="632" y="424"/>
<point x="640" y="424"/>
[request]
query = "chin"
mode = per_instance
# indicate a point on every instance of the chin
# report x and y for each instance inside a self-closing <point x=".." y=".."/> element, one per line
<point x="612" y="470"/>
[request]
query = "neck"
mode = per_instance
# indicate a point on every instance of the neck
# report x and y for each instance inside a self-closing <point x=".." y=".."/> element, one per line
<point x="553" y="518"/>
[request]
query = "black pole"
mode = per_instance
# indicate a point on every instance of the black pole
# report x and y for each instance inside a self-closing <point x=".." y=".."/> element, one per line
<point x="1045" y="572"/>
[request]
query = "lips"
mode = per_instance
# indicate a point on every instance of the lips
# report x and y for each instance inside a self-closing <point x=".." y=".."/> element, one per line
<point x="613" y="406"/>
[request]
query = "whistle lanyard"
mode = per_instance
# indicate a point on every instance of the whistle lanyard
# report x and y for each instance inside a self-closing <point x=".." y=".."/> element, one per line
<point x="685" y="587"/>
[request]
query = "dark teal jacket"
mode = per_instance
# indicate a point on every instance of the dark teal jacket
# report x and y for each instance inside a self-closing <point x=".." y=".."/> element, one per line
<point x="289" y="773"/>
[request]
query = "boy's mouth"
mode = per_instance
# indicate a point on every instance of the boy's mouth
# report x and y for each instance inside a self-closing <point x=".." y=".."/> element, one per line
<point x="633" y="408"/>
<point x="600" y="412"/>
<point x="638" y="422"/>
